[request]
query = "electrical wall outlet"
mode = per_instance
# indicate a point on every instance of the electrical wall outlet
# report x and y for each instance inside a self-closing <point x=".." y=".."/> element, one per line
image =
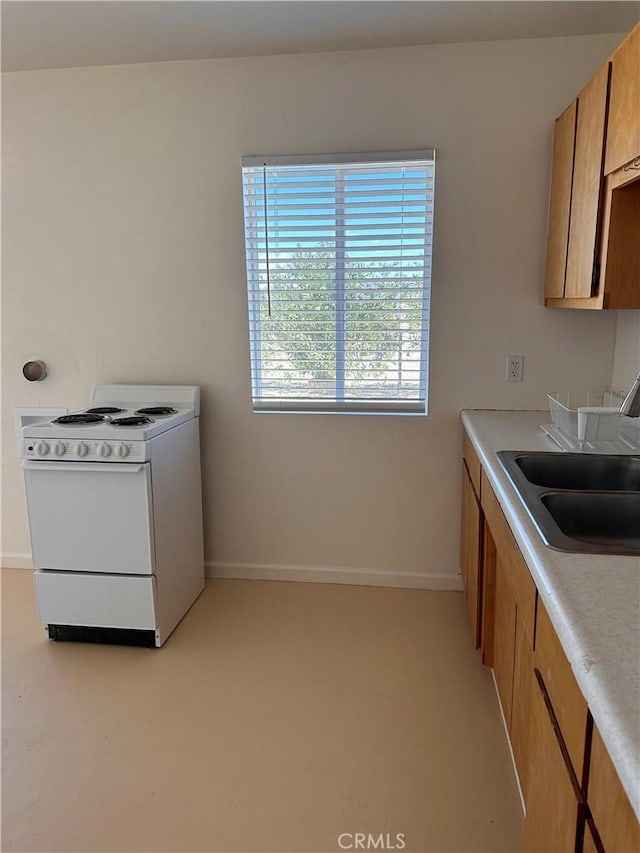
<point x="515" y="365"/>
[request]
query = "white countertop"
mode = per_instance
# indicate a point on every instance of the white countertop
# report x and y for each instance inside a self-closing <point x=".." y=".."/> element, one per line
<point x="592" y="600"/>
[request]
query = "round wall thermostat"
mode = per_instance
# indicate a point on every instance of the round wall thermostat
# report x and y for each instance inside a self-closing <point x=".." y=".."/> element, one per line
<point x="34" y="371"/>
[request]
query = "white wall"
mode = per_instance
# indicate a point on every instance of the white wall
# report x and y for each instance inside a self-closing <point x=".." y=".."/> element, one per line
<point x="626" y="363"/>
<point x="123" y="262"/>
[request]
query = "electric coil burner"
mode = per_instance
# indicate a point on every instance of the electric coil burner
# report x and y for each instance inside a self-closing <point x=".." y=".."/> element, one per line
<point x="158" y="411"/>
<point x="132" y="421"/>
<point x="115" y="514"/>
<point x="80" y="419"/>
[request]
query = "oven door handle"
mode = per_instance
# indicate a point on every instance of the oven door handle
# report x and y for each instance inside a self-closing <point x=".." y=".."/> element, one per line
<point x="84" y="467"/>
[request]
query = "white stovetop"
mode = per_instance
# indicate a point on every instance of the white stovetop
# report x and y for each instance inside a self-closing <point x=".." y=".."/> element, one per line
<point x="184" y="398"/>
<point x="593" y="601"/>
<point x="105" y="430"/>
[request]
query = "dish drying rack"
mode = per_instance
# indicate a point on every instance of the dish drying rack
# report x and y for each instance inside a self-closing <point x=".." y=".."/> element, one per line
<point x="564" y="406"/>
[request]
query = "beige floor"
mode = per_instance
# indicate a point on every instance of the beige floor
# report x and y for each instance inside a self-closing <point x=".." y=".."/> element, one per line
<point x="277" y="717"/>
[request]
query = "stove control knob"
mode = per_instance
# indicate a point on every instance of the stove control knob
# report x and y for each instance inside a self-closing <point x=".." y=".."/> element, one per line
<point x="122" y="450"/>
<point x="103" y="449"/>
<point x="81" y="449"/>
<point x="42" y="448"/>
<point x="59" y="448"/>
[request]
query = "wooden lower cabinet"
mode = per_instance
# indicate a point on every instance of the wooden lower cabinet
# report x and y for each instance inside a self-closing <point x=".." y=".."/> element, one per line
<point x="574" y="799"/>
<point x="589" y="844"/>
<point x="521" y="703"/>
<point x="487" y="626"/>
<point x="511" y="594"/>
<point x="471" y="553"/>
<point x="512" y="662"/>
<point x="613" y="815"/>
<point x="504" y="636"/>
<point x="569" y="704"/>
<point x="555" y="811"/>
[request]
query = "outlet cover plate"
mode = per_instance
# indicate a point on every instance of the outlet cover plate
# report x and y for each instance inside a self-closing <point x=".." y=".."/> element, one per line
<point x="515" y="366"/>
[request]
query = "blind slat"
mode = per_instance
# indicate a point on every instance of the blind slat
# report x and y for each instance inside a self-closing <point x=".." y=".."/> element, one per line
<point x="286" y="208"/>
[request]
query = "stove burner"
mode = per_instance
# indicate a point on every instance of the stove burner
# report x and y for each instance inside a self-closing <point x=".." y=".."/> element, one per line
<point x="105" y="410"/>
<point x="158" y="411"/>
<point x="81" y="419"/>
<point x="132" y="421"/>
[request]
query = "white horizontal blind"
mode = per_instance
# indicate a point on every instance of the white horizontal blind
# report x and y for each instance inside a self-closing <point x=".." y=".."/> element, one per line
<point x="338" y="273"/>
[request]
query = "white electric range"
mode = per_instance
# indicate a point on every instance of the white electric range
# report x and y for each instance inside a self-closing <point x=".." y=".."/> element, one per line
<point x="115" y="513"/>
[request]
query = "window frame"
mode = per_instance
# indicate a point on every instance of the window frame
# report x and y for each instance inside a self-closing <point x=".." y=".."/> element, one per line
<point x="337" y="404"/>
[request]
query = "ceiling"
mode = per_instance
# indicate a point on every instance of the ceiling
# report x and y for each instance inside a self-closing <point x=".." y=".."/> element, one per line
<point x="60" y="34"/>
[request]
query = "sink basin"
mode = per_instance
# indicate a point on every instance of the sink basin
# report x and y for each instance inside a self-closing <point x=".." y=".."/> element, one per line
<point x="600" y="520"/>
<point x="583" y="472"/>
<point x="586" y="503"/>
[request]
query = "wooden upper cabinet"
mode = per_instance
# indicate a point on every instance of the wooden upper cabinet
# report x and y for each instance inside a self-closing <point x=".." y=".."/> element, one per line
<point x="582" y="251"/>
<point x="593" y="249"/>
<point x="620" y="258"/>
<point x="623" y="139"/>
<point x="560" y="203"/>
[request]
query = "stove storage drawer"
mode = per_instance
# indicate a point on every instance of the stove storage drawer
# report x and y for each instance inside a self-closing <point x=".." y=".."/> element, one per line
<point x="96" y="601"/>
<point x="90" y="516"/>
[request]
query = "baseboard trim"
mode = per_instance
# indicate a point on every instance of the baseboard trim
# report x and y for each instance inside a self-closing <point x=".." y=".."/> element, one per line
<point x="322" y="574"/>
<point x="301" y="574"/>
<point x="15" y="560"/>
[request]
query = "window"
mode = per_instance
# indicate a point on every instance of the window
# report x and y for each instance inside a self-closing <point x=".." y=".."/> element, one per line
<point x="338" y="254"/>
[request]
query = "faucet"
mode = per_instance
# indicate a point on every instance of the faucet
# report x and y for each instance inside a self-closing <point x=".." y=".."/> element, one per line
<point x="631" y="403"/>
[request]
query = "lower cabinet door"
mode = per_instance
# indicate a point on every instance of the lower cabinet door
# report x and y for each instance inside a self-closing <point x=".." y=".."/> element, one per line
<point x="470" y="554"/>
<point x="612" y="811"/>
<point x="555" y="809"/>
<point x="590" y="845"/>
<point x="521" y="742"/>
<point x="504" y="628"/>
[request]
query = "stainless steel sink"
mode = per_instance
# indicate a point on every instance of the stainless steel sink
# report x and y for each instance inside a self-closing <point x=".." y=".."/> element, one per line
<point x="597" y="518"/>
<point x="580" y="502"/>
<point x="584" y="472"/>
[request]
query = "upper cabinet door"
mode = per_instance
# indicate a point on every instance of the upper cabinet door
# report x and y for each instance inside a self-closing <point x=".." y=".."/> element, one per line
<point x="560" y="204"/>
<point x="587" y="182"/>
<point x="623" y="138"/>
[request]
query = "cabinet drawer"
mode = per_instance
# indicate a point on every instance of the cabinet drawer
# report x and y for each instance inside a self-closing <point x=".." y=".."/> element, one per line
<point x="568" y="702"/>
<point x="517" y="573"/>
<point x="473" y="463"/>
<point x="612" y="812"/>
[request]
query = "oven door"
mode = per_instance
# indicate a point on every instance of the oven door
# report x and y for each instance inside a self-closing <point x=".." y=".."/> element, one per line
<point x="90" y="516"/>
